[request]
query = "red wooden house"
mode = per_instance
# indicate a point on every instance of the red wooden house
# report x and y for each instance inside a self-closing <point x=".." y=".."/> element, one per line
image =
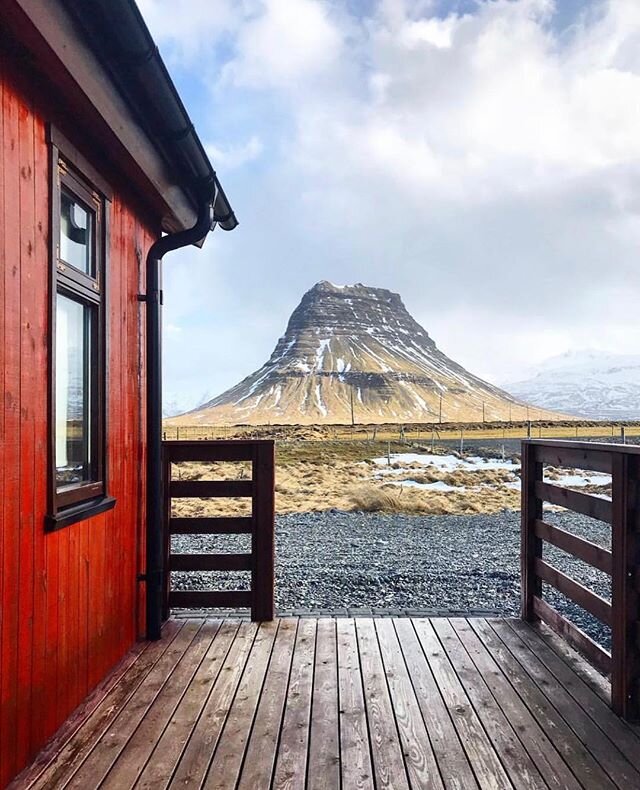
<point x="97" y="159"/>
<point x="101" y="174"/>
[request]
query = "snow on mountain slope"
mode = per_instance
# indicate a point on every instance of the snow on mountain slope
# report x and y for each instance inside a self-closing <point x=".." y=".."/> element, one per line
<point x="355" y="350"/>
<point x="593" y="384"/>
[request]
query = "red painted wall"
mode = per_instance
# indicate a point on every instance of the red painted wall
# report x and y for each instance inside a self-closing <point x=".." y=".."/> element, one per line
<point x="70" y="602"/>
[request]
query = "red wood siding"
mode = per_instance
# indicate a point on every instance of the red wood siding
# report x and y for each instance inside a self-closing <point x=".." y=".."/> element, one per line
<point x="70" y="605"/>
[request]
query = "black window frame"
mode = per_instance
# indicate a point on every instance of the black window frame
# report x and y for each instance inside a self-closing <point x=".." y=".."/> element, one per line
<point x="71" y="173"/>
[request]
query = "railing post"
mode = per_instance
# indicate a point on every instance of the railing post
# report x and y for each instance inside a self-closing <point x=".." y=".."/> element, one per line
<point x="530" y="545"/>
<point x="263" y="539"/>
<point x="166" y="534"/>
<point x="625" y="592"/>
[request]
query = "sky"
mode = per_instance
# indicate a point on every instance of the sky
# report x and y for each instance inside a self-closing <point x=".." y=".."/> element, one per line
<point x="479" y="157"/>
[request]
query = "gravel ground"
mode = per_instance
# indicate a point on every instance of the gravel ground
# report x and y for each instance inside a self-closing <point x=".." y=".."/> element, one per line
<point x="340" y="562"/>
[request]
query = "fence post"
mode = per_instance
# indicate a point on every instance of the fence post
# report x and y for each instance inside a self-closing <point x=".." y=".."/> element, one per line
<point x="530" y="545"/>
<point x="166" y="536"/>
<point x="263" y="539"/>
<point x="625" y="590"/>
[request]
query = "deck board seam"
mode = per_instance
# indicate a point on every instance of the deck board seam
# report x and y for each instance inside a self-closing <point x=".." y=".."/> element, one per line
<point x="196" y="719"/>
<point x="550" y="703"/>
<point x="617" y="782"/>
<point x="390" y="701"/>
<point x="393" y="708"/>
<point x="259" y="700"/>
<point x="477" y="713"/>
<point x="478" y="717"/>
<point x="120" y="712"/>
<point x="605" y="711"/>
<point x="279" y="758"/>
<point x="244" y="658"/>
<point x="311" y="705"/>
<point x="444" y="706"/>
<point x="179" y="700"/>
<point x="549" y="742"/>
<point x="284" y="707"/>
<point x="235" y="694"/>
<point x="528" y="707"/>
<point x="104" y="701"/>
<point x="364" y="703"/>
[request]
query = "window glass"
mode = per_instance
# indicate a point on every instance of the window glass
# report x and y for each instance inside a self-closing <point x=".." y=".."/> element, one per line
<point x="76" y="234"/>
<point x="73" y="383"/>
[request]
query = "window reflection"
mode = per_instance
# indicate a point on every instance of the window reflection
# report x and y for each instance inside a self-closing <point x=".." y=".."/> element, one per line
<point x="73" y="363"/>
<point x="76" y="232"/>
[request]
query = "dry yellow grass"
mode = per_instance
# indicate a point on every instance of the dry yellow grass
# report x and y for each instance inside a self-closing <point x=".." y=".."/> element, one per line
<point x="323" y="484"/>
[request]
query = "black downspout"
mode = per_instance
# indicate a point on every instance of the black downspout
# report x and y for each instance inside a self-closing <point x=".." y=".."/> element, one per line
<point x="154" y="575"/>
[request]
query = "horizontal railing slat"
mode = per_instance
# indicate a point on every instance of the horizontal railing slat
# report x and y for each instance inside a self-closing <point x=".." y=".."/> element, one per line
<point x="574" y="635"/>
<point x="209" y="599"/>
<point x="211" y="525"/>
<point x="592" y="447"/>
<point x="210" y="562"/>
<point x="576" y="458"/>
<point x="584" y="550"/>
<point x="210" y="488"/>
<point x="574" y="590"/>
<point x="591" y="506"/>
<point x="207" y="452"/>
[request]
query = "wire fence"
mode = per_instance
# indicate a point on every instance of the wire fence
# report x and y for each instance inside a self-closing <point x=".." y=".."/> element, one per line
<point x="623" y="432"/>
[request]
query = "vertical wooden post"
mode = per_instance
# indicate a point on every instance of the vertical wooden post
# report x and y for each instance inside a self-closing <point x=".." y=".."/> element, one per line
<point x="166" y="533"/>
<point x="530" y="545"/>
<point x="625" y="592"/>
<point x="263" y="538"/>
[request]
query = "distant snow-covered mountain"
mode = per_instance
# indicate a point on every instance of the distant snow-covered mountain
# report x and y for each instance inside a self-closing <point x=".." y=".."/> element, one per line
<point x="593" y="384"/>
<point x="176" y="403"/>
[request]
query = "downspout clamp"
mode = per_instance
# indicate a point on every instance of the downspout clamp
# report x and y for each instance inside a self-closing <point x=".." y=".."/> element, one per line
<point x="155" y="570"/>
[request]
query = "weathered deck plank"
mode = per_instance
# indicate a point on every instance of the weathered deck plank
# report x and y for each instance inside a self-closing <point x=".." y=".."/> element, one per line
<point x="388" y="763"/>
<point x="621" y="772"/>
<point x="164" y="759"/>
<point x="584" y="766"/>
<point x="324" y="751"/>
<point x="348" y="703"/>
<point x="262" y="748"/>
<point x="355" y="753"/>
<point x="291" y="763"/>
<point x="482" y="756"/>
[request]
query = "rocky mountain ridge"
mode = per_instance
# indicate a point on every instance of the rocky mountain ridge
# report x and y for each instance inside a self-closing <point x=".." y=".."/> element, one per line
<point x="354" y="353"/>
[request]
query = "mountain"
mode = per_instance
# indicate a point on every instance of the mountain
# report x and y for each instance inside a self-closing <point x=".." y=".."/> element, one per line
<point x="354" y="351"/>
<point x="594" y="384"/>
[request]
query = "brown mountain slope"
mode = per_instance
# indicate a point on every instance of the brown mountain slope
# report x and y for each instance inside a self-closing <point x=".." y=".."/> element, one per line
<point x="354" y="351"/>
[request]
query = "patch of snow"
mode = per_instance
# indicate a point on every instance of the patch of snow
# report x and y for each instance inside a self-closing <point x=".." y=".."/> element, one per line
<point x="448" y="463"/>
<point x="321" y="405"/>
<point x="322" y="348"/>
<point x="437" y="486"/>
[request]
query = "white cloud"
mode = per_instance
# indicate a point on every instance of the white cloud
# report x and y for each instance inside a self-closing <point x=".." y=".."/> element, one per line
<point x="235" y="154"/>
<point x="284" y="45"/>
<point x="485" y="165"/>
<point x="190" y="31"/>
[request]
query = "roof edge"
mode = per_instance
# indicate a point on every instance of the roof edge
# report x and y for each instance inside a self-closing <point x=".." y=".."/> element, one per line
<point x="118" y="35"/>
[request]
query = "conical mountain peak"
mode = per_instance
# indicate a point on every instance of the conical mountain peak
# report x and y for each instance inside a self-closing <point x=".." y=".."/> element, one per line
<point x="354" y="353"/>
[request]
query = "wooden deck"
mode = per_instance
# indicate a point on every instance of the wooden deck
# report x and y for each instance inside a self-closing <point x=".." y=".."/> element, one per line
<point x="351" y="703"/>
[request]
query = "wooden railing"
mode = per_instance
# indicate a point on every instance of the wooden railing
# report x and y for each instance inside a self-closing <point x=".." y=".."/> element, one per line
<point x="622" y="562"/>
<point x="260" y="525"/>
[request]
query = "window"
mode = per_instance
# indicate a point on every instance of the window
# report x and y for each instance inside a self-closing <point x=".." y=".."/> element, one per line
<point x="77" y="370"/>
